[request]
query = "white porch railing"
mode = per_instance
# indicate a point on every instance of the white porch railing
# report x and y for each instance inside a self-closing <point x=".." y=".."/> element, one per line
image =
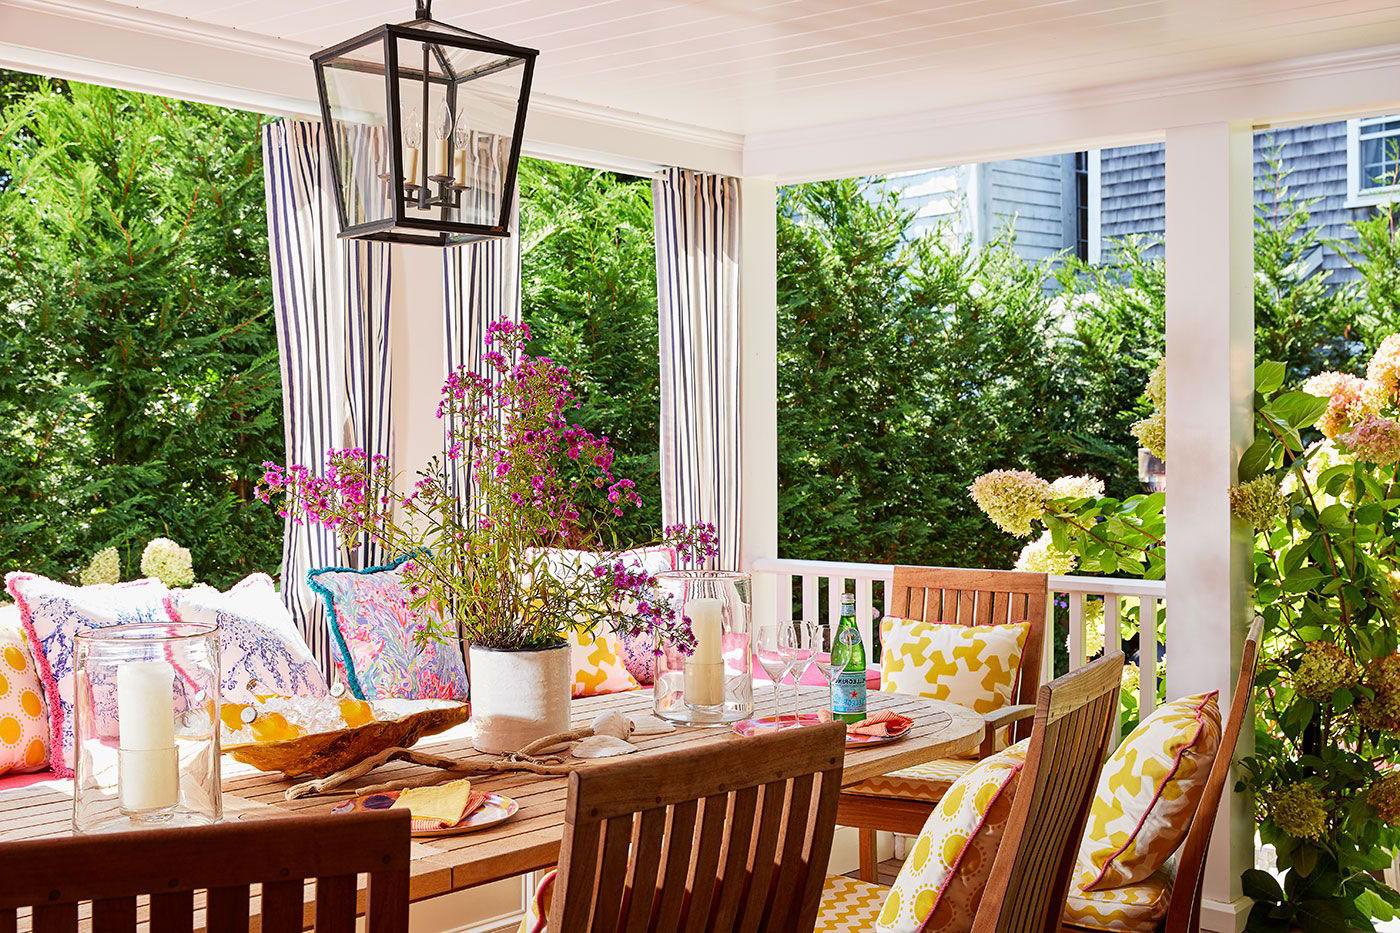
<point x="872" y="584"/>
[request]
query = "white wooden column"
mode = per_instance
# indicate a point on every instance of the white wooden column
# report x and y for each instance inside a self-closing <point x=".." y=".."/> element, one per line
<point x="758" y="385"/>
<point x="416" y="347"/>
<point x="1210" y="385"/>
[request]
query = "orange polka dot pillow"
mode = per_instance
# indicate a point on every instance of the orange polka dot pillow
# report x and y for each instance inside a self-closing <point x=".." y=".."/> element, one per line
<point x="941" y="882"/>
<point x="1147" y="792"/>
<point x="599" y="666"/>
<point x="971" y="665"/>
<point x="24" y="724"/>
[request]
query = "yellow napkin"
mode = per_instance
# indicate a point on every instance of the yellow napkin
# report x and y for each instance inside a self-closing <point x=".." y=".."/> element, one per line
<point x="444" y="804"/>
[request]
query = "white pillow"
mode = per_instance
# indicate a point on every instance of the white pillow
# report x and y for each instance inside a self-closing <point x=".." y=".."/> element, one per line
<point x="260" y="650"/>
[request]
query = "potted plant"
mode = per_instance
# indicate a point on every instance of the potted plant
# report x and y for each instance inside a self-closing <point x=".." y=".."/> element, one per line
<point x="528" y="555"/>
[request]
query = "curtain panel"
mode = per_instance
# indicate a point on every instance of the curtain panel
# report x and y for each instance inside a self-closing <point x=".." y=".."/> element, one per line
<point x="697" y="290"/>
<point x="481" y="284"/>
<point x="331" y="299"/>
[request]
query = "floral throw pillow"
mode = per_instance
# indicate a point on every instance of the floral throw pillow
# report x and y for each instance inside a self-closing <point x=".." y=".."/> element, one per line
<point x="260" y="650"/>
<point x="973" y="665"/>
<point x="24" y="727"/>
<point x="940" y="885"/>
<point x="51" y="614"/>
<point x="374" y="634"/>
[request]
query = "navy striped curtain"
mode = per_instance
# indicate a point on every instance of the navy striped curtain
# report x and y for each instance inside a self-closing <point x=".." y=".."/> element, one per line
<point x="331" y="298"/>
<point x="481" y="284"/>
<point x="697" y="290"/>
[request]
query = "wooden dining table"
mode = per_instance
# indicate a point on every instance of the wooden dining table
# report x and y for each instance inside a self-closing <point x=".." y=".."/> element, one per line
<point x="531" y="839"/>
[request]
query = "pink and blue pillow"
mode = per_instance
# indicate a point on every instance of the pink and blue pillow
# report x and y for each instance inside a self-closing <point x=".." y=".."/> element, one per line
<point x="373" y="631"/>
<point x="260" y="650"/>
<point x="51" y="614"/>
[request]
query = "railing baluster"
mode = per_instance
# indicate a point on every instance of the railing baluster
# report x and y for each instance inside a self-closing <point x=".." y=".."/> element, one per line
<point x="1047" y="651"/>
<point x="835" y="586"/>
<point x="784" y="597"/>
<point x="1147" y="656"/>
<point x="809" y="597"/>
<point x="865" y="611"/>
<point x="1076" y="631"/>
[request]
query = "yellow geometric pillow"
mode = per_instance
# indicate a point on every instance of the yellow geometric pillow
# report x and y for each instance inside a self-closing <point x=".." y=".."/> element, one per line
<point x="971" y="665"/>
<point x="598" y="665"/>
<point x="940" y="884"/>
<point x="1147" y="792"/>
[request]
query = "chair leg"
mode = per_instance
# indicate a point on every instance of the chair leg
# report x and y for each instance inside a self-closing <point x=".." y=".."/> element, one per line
<point x="869" y="857"/>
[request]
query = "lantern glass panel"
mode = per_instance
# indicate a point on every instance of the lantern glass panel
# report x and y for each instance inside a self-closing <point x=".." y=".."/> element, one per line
<point x="355" y="97"/>
<point x="461" y="120"/>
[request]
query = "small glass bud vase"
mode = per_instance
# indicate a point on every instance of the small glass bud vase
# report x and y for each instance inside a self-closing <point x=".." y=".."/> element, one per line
<point x="713" y="684"/>
<point x="146" y="727"/>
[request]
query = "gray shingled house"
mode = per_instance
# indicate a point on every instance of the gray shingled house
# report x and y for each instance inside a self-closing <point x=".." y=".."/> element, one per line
<point x="1080" y="202"/>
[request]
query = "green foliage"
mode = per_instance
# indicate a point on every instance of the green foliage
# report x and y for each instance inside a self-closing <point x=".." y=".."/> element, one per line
<point x="906" y="367"/>
<point x="588" y="265"/>
<point x="1324" y="576"/>
<point x="138" y="377"/>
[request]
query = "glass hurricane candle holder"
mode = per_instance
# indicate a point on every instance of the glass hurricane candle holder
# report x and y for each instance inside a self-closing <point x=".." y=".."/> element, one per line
<point x="146" y="727"/>
<point x="713" y="684"/>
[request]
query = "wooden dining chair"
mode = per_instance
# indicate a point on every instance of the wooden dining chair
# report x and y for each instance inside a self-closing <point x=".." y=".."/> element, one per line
<point x="1183" y="914"/>
<point x="901" y="802"/>
<point x="1075" y="723"/>
<point x="56" y="876"/>
<point x="714" y="839"/>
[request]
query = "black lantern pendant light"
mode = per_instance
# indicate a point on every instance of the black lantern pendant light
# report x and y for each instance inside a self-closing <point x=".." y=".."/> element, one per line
<point x="423" y="123"/>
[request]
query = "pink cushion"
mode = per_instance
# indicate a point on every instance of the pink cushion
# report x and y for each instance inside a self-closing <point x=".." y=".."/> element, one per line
<point x="16" y="781"/>
<point x="812" y="677"/>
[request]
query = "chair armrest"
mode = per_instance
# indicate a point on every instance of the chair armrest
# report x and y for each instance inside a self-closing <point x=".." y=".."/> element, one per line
<point x="999" y="719"/>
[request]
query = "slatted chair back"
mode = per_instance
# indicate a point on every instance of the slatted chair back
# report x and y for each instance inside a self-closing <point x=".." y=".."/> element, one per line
<point x="980" y="597"/>
<point x="1184" y="908"/>
<point x="1075" y="720"/>
<point x="734" y="839"/>
<point x="102" y="876"/>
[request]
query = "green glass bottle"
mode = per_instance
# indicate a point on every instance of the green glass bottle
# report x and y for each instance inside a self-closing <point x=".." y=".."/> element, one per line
<point x="848" y="690"/>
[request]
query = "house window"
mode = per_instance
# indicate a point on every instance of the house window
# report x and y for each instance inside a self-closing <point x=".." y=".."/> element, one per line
<point x="1373" y="160"/>
<point x="1088" y="194"/>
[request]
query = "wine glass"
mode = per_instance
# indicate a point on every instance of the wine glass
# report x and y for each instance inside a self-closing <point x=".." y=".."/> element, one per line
<point x="822" y="638"/>
<point x="802" y="654"/>
<point x="775" y="653"/>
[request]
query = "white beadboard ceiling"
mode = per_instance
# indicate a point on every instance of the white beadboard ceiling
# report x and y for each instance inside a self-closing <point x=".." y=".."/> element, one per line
<point x="759" y="66"/>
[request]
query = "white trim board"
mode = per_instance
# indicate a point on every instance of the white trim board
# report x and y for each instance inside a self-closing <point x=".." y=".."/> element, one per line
<point x="112" y="43"/>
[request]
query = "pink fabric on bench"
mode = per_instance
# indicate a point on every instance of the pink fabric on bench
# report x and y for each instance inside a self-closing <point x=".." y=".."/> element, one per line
<point x="812" y="677"/>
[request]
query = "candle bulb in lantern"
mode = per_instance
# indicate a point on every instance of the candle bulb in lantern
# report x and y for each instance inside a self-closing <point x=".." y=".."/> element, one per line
<point x="412" y="143"/>
<point x="442" y="151"/>
<point x="704" y="669"/>
<point x="149" y="771"/>
<point x="461" y="140"/>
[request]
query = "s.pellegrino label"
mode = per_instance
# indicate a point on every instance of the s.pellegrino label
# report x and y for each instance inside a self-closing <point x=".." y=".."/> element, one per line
<point x="848" y="690"/>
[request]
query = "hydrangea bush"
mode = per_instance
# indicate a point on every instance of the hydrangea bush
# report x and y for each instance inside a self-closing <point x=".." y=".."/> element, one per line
<point x="1319" y="487"/>
<point x="498" y="571"/>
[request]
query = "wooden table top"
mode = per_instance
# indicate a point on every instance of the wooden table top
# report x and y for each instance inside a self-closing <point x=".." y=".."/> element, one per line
<point x="531" y="840"/>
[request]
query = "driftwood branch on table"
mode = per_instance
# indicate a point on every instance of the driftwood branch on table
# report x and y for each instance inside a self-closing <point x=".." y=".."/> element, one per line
<point x="529" y="759"/>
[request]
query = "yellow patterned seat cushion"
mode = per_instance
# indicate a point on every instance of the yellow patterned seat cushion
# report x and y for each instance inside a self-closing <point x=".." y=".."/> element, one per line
<point x="598" y="664"/>
<point x="849" y="905"/>
<point x="940" y="885"/>
<point x="928" y="781"/>
<point x="1133" y="908"/>
<point x="1147" y="793"/>
<point x="972" y="665"/>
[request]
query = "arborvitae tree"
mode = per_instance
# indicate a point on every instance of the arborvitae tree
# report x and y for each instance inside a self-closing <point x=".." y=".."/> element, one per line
<point x="588" y="268"/>
<point x="139" y="384"/>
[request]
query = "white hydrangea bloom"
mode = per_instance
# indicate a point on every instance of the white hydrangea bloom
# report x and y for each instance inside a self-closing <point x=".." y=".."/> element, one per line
<point x="105" y="567"/>
<point x="167" y="562"/>
<point x="1041" y="556"/>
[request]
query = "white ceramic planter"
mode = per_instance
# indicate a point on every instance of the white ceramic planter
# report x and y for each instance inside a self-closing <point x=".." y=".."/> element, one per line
<point x="518" y="696"/>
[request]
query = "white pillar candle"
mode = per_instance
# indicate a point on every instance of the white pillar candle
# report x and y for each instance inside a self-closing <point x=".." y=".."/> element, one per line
<point x="149" y="778"/>
<point x="704" y="670"/>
